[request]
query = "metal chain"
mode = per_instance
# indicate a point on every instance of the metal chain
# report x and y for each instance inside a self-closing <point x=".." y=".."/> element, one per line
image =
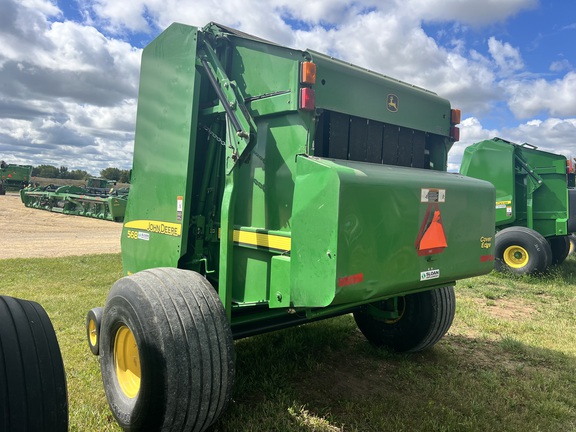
<point x="213" y="135"/>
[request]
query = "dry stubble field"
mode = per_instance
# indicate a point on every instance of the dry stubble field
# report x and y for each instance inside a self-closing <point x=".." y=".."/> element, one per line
<point x="32" y="233"/>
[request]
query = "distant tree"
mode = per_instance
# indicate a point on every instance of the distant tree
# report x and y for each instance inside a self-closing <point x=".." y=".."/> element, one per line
<point x="111" y="173"/>
<point x="63" y="172"/>
<point x="46" y="171"/>
<point x="124" y="176"/>
<point x="78" y="175"/>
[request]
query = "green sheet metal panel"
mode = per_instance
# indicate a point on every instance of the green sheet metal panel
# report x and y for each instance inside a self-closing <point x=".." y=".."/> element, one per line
<point x="280" y="282"/>
<point x="356" y="231"/>
<point x="267" y="74"/>
<point x="349" y="89"/>
<point x="493" y="161"/>
<point x="550" y="197"/>
<point x="265" y="188"/>
<point x="156" y="221"/>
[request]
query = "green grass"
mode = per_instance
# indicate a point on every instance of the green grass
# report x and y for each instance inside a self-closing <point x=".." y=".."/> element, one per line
<point x="508" y="363"/>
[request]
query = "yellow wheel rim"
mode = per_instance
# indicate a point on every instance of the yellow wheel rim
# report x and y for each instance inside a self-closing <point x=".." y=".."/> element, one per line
<point x="127" y="362"/>
<point x="401" y="310"/>
<point x="516" y="256"/>
<point x="93" y="332"/>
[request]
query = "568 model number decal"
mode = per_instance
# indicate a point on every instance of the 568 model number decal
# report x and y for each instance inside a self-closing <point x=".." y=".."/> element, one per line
<point x="138" y="235"/>
<point x="429" y="274"/>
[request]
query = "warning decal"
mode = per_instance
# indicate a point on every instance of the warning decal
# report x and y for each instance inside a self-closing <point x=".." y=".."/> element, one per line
<point x="431" y="238"/>
<point x="432" y="195"/>
<point x="179" y="207"/>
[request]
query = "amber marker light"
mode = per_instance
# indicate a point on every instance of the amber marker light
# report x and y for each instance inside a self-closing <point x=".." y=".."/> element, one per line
<point x="307" y="73"/>
<point x="455" y="116"/>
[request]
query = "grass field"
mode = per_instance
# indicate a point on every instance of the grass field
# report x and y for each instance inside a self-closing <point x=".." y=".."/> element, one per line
<point x="507" y="364"/>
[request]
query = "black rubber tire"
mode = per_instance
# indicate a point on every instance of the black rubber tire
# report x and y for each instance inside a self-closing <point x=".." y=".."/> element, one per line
<point x="560" y="247"/>
<point x="185" y="351"/>
<point x="33" y="395"/>
<point x="539" y="253"/>
<point x="572" y="238"/>
<point x="425" y="319"/>
<point x="93" y="324"/>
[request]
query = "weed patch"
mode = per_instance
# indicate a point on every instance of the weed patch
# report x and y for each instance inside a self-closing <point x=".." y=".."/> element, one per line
<point x="506" y="364"/>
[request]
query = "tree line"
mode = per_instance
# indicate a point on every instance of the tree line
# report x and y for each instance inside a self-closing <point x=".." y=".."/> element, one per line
<point x="49" y="171"/>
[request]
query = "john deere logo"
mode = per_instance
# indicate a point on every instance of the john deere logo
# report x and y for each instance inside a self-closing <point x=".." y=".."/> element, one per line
<point x="392" y="102"/>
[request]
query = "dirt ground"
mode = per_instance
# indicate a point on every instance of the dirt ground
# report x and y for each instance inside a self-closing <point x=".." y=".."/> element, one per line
<point x="32" y="233"/>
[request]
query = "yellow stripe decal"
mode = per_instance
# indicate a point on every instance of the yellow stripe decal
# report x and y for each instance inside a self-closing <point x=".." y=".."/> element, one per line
<point x="159" y="227"/>
<point x="270" y="241"/>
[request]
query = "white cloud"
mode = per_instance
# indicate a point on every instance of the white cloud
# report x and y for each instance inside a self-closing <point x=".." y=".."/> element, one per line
<point x="68" y="88"/>
<point x="45" y="7"/>
<point x="473" y="12"/>
<point x="528" y="98"/>
<point x="560" y="65"/>
<point x="507" y="57"/>
<point x="553" y="134"/>
<point x="63" y="85"/>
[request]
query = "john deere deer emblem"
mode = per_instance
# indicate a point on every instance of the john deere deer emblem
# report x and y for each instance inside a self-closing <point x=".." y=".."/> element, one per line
<point x="392" y="102"/>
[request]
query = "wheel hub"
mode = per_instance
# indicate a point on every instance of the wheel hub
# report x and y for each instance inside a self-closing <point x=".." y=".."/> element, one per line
<point x="93" y="332"/>
<point x="516" y="256"/>
<point x="127" y="362"/>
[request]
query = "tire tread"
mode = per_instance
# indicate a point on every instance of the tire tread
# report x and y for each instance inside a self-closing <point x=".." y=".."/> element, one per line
<point x="196" y="344"/>
<point x="31" y="369"/>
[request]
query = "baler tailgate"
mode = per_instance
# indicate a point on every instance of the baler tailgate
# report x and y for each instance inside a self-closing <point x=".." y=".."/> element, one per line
<point x="365" y="231"/>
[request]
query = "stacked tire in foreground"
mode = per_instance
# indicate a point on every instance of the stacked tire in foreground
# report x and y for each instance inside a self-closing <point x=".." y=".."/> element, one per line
<point x="166" y="351"/>
<point x="33" y="395"/>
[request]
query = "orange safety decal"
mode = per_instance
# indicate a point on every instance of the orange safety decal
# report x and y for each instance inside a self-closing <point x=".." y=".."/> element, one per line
<point x="431" y="238"/>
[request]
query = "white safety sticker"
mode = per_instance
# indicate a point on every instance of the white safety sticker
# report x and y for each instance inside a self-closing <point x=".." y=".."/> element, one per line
<point x="429" y="274"/>
<point x="433" y="195"/>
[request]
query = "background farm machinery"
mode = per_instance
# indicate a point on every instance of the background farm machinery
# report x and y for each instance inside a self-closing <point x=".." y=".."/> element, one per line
<point x="14" y="177"/>
<point x="535" y="202"/>
<point x="98" y="199"/>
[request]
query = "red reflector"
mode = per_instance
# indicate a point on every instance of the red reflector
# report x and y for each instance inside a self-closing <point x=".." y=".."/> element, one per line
<point x="487" y="258"/>
<point x="307" y="101"/>
<point x="9" y="175"/>
<point x="569" y="166"/>
<point x="350" y="280"/>
<point x="455" y="133"/>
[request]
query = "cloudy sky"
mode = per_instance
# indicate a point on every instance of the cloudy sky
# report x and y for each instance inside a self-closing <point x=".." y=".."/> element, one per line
<point x="69" y="68"/>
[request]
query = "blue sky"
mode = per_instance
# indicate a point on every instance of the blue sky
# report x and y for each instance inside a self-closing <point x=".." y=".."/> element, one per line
<point x="69" y="68"/>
